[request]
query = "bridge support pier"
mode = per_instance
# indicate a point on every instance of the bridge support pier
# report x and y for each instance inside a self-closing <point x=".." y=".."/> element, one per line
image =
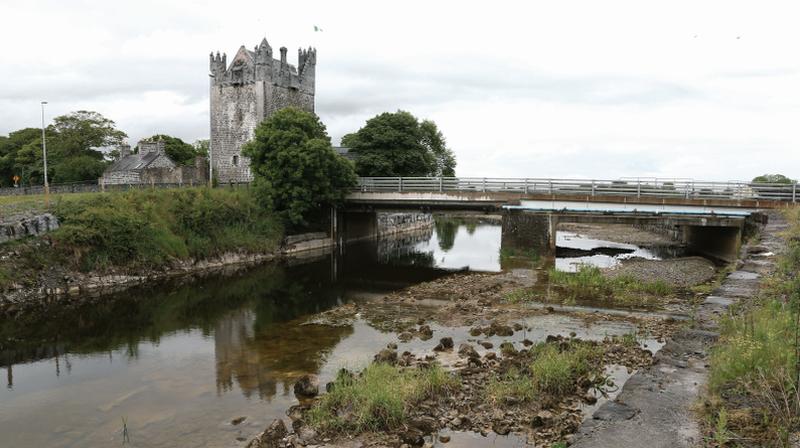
<point x="357" y="226"/>
<point x="527" y="233"/>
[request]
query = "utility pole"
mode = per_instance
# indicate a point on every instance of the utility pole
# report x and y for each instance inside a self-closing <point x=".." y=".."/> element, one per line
<point x="44" y="156"/>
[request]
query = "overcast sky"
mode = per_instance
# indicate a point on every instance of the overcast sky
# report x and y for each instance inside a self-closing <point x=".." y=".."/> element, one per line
<point x="603" y="89"/>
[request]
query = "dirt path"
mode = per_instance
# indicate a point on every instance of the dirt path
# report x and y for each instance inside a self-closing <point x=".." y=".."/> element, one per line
<point x="654" y="408"/>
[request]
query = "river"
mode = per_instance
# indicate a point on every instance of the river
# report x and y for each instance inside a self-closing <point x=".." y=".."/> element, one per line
<point x="179" y="362"/>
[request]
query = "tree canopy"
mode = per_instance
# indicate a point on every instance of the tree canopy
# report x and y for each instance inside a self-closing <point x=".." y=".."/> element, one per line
<point x="297" y="172"/>
<point x="74" y="150"/>
<point x="179" y="151"/>
<point x="773" y="179"/>
<point x="398" y="144"/>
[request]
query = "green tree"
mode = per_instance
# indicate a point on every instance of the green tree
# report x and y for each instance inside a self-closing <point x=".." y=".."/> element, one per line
<point x="82" y="133"/>
<point x="434" y="142"/>
<point x="74" y="149"/>
<point x="201" y="147"/>
<point x="297" y="172"/>
<point x="773" y="179"/>
<point x="178" y="150"/>
<point x="78" y="168"/>
<point x="397" y="144"/>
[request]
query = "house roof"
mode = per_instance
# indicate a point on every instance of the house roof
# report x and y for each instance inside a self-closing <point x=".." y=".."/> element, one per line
<point x="134" y="162"/>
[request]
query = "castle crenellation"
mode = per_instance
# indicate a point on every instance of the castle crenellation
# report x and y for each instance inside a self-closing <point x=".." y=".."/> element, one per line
<point x="245" y="92"/>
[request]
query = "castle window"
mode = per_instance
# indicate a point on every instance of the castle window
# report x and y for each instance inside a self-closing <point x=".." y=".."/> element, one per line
<point x="235" y="160"/>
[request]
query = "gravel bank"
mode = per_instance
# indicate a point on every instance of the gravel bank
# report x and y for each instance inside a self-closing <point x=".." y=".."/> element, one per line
<point x="681" y="272"/>
<point x="620" y="233"/>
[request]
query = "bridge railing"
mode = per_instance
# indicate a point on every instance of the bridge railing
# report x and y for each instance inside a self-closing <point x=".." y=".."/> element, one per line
<point x="661" y="188"/>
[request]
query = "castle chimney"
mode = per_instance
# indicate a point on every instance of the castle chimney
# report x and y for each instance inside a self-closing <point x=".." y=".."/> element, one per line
<point x="283" y="55"/>
<point x="124" y="150"/>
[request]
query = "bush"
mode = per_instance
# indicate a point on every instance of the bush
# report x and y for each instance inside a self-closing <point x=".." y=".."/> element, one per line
<point x="152" y="228"/>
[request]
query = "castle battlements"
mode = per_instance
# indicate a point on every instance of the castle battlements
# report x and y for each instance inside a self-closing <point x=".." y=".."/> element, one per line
<point x="250" y="66"/>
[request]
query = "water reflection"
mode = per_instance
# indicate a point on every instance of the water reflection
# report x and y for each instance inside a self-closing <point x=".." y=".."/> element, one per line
<point x="574" y="250"/>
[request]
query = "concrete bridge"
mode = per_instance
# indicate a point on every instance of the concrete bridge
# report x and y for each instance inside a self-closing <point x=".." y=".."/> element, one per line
<point x="710" y="217"/>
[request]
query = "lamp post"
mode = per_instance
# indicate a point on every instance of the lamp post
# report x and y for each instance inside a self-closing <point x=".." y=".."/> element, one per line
<point x="44" y="156"/>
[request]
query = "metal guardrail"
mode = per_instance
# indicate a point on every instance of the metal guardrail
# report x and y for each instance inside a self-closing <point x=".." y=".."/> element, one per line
<point x="639" y="188"/>
<point x="649" y="188"/>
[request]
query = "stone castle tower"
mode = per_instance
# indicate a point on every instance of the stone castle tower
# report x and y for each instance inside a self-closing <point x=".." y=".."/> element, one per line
<point x="246" y="92"/>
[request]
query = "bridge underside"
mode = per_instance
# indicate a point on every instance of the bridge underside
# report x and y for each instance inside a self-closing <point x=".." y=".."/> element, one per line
<point x="717" y="237"/>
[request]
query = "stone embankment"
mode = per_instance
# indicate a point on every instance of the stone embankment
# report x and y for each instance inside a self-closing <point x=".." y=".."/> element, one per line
<point x="25" y="225"/>
<point x="654" y="408"/>
<point x="394" y="223"/>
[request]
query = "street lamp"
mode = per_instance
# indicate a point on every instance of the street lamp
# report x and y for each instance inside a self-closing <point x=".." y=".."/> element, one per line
<point x="44" y="156"/>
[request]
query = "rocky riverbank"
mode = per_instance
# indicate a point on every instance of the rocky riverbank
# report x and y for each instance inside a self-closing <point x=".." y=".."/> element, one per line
<point x="491" y="342"/>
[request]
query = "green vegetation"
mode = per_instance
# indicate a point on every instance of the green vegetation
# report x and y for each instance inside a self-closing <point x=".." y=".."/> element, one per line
<point x="553" y="372"/>
<point x="590" y="283"/>
<point x="297" y="172"/>
<point x="74" y="143"/>
<point x="147" y="229"/>
<point x="710" y="286"/>
<point x="773" y="179"/>
<point x="179" y="151"/>
<point x="754" y="367"/>
<point x="398" y="144"/>
<point x="378" y="398"/>
<point x="519" y="295"/>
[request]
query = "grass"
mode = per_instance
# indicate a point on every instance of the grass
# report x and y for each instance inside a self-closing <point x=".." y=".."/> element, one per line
<point x="754" y="370"/>
<point x="709" y="287"/>
<point x="143" y="229"/>
<point x="588" y="282"/>
<point x="519" y="295"/>
<point x="553" y="372"/>
<point x="378" y="398"/>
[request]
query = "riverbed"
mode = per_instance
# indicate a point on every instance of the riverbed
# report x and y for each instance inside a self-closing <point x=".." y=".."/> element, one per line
<point x="210" y="362"/>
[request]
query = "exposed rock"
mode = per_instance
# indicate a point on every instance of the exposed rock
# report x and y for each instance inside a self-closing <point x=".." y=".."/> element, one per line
<point x="424" y="423"/>
<point x="467" y="351"/>
<point x="307" y="386"/>
<point x="271" y="437"/>
<point x="238" y="420"/>
<point x="542" y="418"/>
<point x="613" y="410"/>
<point x="486" y="344"/>
<point x="444" y="344"/>
<point x="425" y="332"/>
<point x="386" y="355"/>
<point x="500" y="330"/>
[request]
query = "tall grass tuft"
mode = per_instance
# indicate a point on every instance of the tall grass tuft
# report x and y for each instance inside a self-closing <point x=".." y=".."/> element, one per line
<point x="588" y="282"/>
<point x="378" y="398"/>
<point x="554" y="372"/>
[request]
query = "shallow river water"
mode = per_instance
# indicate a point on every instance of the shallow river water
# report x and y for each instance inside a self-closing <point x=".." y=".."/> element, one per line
<point x="174" y="364"/>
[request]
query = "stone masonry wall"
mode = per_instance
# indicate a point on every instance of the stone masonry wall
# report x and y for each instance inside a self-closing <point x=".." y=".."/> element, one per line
<point x="20" y="226"/>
